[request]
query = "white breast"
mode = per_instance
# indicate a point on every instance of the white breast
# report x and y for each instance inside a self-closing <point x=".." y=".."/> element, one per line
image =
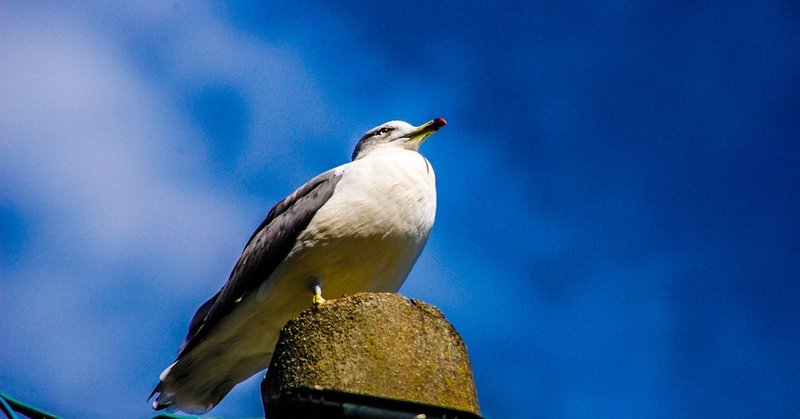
<point x="371" y="231"/>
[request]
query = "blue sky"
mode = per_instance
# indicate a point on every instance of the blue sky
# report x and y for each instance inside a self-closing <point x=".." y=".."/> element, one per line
<point x="617" y="232"/>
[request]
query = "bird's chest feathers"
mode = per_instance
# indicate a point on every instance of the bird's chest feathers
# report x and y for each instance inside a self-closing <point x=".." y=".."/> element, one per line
<point x="390" y="195"/>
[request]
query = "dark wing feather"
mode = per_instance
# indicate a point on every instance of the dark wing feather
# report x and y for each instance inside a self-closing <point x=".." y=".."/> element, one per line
<point x="265" y="250"/>
<point x="199" y="318"/>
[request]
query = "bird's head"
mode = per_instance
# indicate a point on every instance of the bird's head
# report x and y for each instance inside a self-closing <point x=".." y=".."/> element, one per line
<point x="398" y="134"/>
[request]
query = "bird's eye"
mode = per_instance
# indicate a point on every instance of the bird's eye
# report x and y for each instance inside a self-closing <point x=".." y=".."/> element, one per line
<point x="383" y="130"/>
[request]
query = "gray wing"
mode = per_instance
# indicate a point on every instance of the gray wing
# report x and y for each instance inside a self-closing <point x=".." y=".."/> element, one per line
<point x="265" y="250"/>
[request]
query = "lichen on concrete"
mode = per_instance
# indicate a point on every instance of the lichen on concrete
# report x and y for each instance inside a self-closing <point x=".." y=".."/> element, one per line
<point x="379" y="344"/>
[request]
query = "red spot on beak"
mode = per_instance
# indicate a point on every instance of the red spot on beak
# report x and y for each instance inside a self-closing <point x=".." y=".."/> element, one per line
<point x="438" y="123"/>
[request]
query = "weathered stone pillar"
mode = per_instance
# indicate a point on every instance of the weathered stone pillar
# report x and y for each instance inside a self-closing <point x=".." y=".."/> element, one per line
<point x="370" y="351"/>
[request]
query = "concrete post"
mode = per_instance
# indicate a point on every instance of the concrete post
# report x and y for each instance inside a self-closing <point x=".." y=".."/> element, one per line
<point x="377" y="348"/>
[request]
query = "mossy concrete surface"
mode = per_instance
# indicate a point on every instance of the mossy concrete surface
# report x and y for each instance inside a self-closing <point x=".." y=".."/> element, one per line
<point x="379" y="344"/>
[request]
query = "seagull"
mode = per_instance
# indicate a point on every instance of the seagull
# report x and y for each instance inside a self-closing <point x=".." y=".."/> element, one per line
<point x="358" y="227"/>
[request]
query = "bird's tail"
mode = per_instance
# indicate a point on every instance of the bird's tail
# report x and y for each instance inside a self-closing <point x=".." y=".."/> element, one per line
<point x="190" y="393"/>
<point x="164" y="400"/>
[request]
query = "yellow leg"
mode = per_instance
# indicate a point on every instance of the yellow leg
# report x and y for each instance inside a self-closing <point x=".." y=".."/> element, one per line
<point x="317" y="300"/>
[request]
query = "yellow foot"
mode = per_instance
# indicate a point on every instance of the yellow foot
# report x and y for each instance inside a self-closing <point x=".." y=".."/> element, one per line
<point x="317" y="300"/>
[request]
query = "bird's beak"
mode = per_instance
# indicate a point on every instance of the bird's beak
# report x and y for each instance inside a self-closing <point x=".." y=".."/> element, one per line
<point x="425" y="130"/>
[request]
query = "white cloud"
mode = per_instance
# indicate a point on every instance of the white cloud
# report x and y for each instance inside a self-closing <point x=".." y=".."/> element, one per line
<point x="107" y="170"/>
<point x="81" y="150"/>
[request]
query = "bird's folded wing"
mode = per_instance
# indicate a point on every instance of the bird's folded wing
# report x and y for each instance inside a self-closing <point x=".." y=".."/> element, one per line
<point x="265" y="250"/>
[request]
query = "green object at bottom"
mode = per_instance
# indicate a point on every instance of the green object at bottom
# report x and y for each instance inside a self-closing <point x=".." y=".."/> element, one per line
<point x="10" y="407"/>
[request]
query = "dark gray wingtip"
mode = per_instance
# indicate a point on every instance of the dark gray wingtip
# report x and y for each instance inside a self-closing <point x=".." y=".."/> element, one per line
<point x="155" y="390"/>
<point x="156" y="404"/>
